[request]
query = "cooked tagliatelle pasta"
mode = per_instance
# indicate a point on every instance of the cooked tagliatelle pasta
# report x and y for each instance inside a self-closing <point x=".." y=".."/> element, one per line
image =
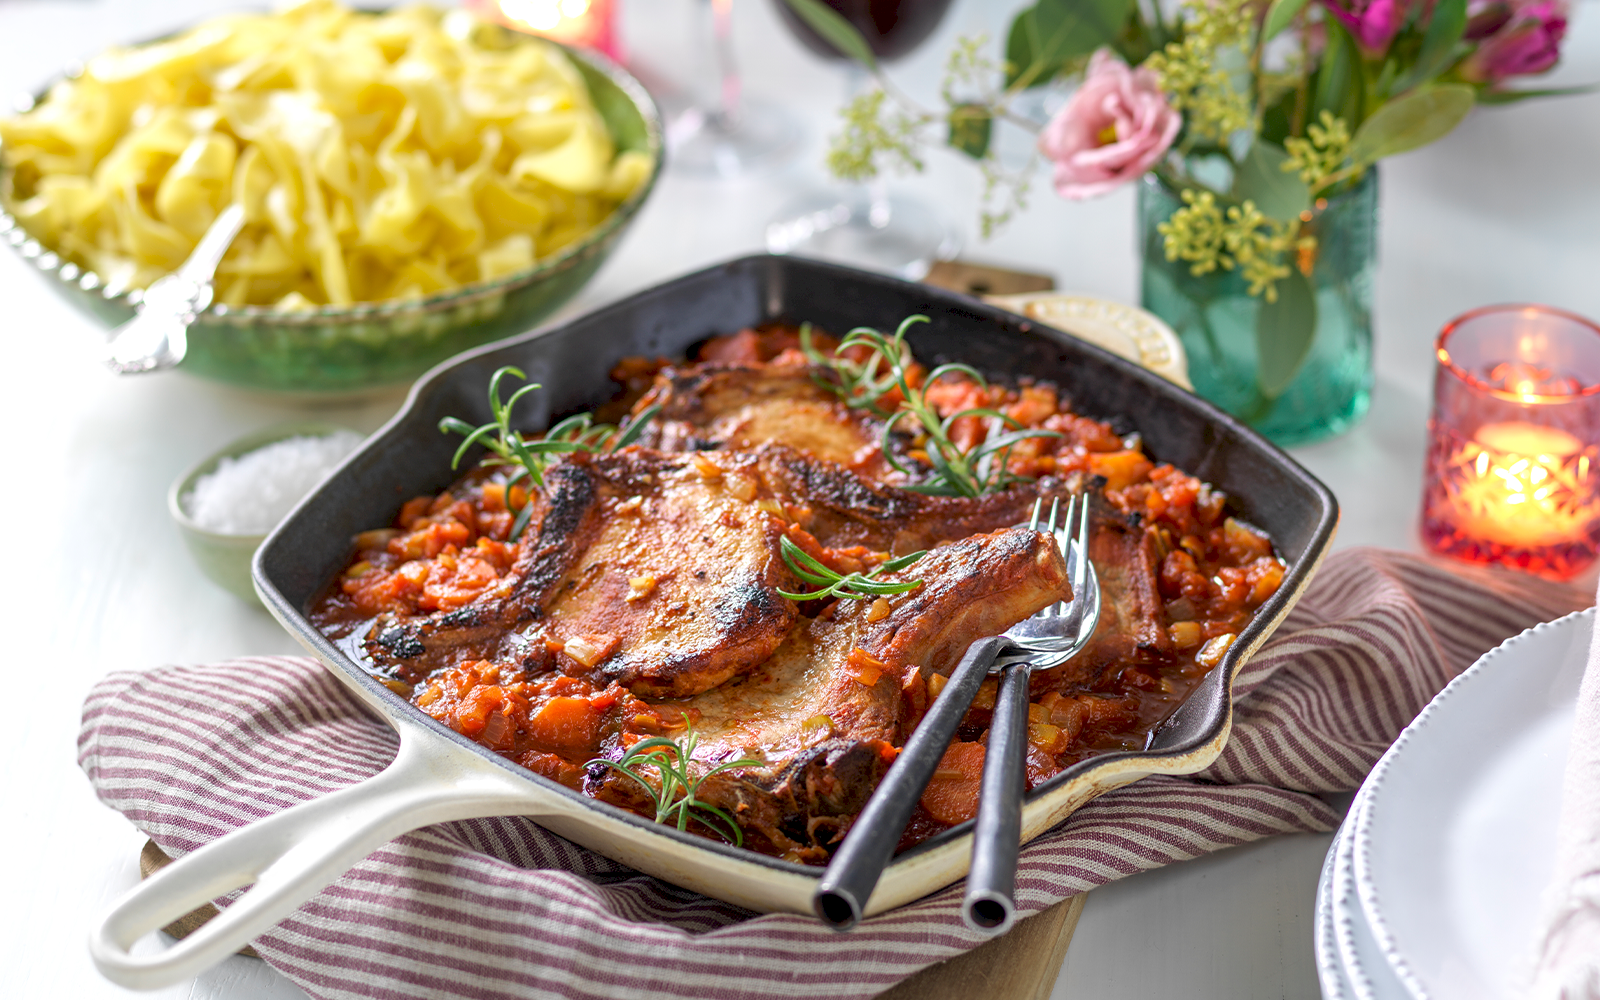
<point x="378" y="156"/>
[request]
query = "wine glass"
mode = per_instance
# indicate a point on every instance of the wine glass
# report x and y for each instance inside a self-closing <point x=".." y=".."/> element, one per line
<point x="864" y="224"/>
<point x="739" y="135"/>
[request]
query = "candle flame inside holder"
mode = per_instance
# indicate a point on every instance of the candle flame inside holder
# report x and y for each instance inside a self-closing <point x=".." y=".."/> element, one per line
<point x="1514" y="444"/>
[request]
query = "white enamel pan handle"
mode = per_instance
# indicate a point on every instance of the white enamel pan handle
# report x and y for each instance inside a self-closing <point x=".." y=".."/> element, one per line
<point x="290" y="857"/>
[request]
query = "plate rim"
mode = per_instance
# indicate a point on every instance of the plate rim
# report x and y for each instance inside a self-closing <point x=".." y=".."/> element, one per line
<point x="1365" y="884"/>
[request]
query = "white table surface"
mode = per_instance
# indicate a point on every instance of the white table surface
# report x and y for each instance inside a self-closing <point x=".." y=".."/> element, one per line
<point x="1505" y="209"/>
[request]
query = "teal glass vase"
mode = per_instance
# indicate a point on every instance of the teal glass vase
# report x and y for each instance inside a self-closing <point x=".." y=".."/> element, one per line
<point x="1253" y="359"/>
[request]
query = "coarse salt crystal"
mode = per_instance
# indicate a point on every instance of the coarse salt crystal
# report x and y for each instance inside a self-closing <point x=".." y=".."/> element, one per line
<point x="250" y="494"/>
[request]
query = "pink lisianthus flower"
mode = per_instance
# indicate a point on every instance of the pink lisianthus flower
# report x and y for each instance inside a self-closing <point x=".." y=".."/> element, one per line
<point x="1527" y="42"/>
<point x="1112" y="130"/>
<point x="1373" y="23"/>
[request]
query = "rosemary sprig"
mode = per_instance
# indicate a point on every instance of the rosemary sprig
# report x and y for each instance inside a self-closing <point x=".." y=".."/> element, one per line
<point x="675" y="794"/>
<point x="857" y="586"/>
<point x="507" y="447"/>
<point x="857" y="383"/>
<point x="973" y="472"/>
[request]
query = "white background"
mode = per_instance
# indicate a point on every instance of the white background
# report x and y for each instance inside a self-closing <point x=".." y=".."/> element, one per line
<point x="1505" y="209"/>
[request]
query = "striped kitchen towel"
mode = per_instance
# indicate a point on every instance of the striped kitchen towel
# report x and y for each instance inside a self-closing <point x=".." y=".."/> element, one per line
<point x="500" y="908"/>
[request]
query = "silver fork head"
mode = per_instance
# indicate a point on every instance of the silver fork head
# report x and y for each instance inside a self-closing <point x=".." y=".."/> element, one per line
<point x="1056" y="633"/>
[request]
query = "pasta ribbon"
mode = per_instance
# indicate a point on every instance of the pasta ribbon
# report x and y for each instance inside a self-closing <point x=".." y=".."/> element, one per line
<point x="377" y="156"/>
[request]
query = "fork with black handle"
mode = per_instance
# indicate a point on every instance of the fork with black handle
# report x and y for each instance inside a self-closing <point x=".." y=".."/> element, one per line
<point x="990" y="903"/>
<point x="842" y="893"/>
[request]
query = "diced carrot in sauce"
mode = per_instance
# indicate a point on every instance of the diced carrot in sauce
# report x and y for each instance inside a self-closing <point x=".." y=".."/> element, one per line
<point x="413" y="510"/>
<point x="494" y="497"/>
<point x="1041" y="766"/>
<point x="1034" y="405"/>
<point x="1265" y="576"/>
<point x="1121" y="468"/>
<point x="1066" y="714"/>
<point x="1242" y="543"/>
<point x="1082" y="432"/>
<point x="952" y="794"/>
<point x="566" y="725"/>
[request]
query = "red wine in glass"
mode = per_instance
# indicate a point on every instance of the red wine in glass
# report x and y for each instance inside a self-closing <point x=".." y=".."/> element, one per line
<point x="891" y="27"/>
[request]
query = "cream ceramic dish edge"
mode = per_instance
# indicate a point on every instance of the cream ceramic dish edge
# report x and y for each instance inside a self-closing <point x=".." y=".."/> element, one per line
<point x="434" y="780"/>
<point x="1367" y="881"/>
<point x="224" y="558"/>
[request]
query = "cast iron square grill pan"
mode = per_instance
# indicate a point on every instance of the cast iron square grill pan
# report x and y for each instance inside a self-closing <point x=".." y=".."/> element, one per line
<point x="410" y="456"/>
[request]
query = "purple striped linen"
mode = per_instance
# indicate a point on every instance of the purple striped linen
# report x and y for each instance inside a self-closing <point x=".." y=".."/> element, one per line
<point x="501" y="908"/>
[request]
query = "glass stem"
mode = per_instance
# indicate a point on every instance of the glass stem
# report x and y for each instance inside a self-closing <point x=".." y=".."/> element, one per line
<point x="727" y="66"/>
<point x="878" y="204"/>
<point x="856" y="82"/>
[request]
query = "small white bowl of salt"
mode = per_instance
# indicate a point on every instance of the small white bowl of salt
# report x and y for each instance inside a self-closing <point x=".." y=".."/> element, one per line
<point x="227" y="504"/>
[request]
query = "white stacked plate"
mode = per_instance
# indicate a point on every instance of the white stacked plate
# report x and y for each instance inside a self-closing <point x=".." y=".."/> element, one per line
<point x="1432" y="887"/>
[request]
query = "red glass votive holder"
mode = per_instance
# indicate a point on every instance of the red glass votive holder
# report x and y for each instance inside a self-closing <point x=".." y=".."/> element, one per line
<point x="1514" y="441"/>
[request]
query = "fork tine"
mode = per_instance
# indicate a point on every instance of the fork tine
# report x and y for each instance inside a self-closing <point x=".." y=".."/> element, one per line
<point x="1083" y="543"/>
<point x="1033" y="522"/>
<point x="1073" y="560"/>
<point x="1080" y="561"/>
<point x="1055" y="506"/>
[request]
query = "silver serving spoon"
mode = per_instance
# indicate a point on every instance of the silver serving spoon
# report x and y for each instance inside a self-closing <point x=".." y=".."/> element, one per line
<point x="158" y="337"/>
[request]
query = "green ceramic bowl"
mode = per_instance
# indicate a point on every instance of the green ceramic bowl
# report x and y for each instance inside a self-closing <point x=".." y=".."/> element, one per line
<point x="222" y="557"/>
<point x="340" y="350"/>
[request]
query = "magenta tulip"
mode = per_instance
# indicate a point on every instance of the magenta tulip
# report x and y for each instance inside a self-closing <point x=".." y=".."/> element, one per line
<point x="1528" y="41"/>
<point x="1373" y="23"/>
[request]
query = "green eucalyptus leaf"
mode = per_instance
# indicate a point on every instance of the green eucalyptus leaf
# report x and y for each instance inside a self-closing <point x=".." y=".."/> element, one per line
<point x="1071" y="29"/>
<point x="1046" y="38"/>
<point x="838" y="32"/>
<point x="1341" y="86"/>
<point x="970" y="127"/>
<point x="1279" y="15"/>
<point x="1439" y="44"/>
<point x="1277" y="121"/>
<point x="1513" y="96"/>
<point x="1284" y="333"/>
<point x="1020" y="56"/>
<point x="1261" y="178"/>
<point x="1412" y="121"/>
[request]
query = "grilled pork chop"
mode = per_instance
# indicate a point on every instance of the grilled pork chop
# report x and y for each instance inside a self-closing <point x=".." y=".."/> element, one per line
<point x="732" y="406"/>
<point x="844" y="508"/>
<point x="825" y="711"/>
<point x="662" y="571"/>
<point x="637" y="567"/>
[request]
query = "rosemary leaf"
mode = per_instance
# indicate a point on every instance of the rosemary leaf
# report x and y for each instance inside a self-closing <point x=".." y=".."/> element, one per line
<point x="579" y="432"/>
<point x="675" y="794"/>
<point x="888" y="366"/>
<point x="856" y="586"/>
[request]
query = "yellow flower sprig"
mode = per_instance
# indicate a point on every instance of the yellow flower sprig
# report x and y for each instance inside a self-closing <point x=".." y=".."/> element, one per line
<point x="1322" y="154"/>
<point x="874" y="136"/>
<point x="1211" y="237"/>
<point x="1193" y="76"/>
